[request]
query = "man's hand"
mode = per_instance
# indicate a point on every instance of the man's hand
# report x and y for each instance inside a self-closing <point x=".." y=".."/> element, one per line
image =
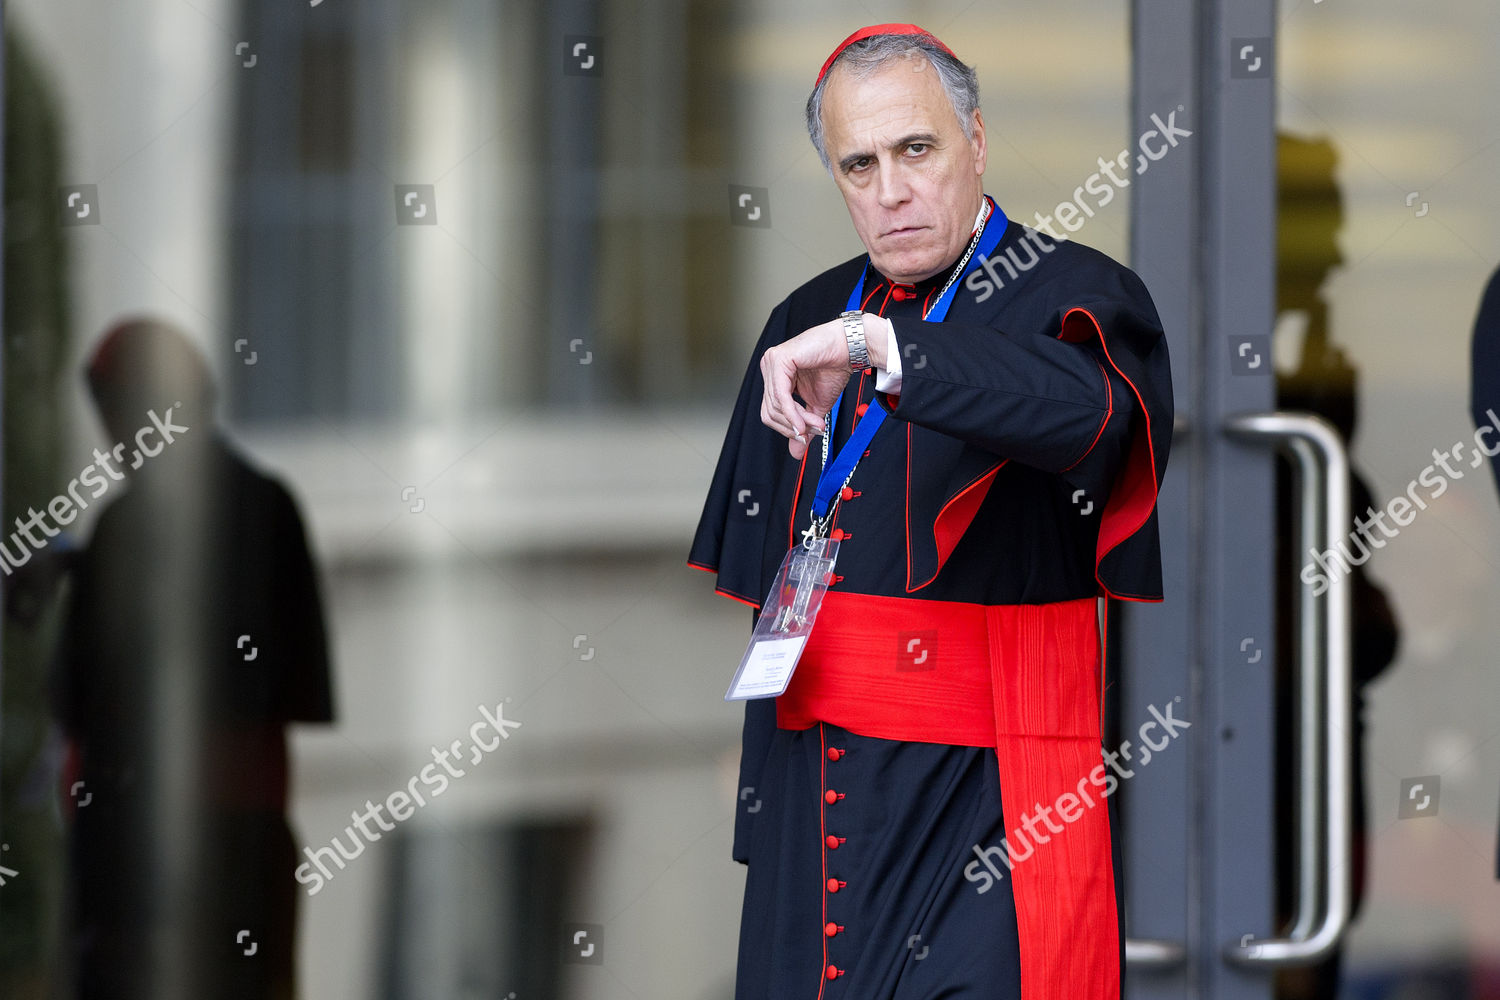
<point x="814" y="365"/>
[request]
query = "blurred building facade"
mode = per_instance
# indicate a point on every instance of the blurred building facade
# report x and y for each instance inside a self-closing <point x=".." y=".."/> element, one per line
<point x="479" y="283"/>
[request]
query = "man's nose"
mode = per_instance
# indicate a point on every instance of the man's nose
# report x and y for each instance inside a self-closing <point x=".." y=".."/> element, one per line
<point x="893" y="190"/>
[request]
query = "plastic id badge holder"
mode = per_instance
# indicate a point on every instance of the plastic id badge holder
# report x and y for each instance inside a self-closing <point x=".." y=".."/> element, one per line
<point x="786" y="620"/>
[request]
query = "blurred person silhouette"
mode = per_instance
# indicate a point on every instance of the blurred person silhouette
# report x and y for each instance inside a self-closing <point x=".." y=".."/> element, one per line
<point x="193" y="635"/>
<point x="1309" y="216"/>
<point x="1484" y="384"/>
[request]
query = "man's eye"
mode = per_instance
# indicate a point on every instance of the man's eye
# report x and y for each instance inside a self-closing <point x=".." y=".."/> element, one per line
<point x="917" y="147"/>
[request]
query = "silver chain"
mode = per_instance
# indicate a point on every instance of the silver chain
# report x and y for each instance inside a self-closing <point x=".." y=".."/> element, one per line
<point x="963" y="261"/>
<point x="819" y="526"/>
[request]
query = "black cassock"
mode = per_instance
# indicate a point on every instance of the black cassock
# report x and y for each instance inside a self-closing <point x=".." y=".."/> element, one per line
<point x="1013" y="481"/>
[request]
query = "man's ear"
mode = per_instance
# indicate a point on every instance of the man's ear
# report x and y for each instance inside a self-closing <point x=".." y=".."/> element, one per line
<point x="981" y="150"/>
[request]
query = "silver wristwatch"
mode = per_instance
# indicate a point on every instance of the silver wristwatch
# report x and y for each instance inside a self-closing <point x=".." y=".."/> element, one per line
<point x="854" y="333"/>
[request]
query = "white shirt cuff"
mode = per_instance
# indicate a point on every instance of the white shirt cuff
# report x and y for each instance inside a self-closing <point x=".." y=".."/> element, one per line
<point x="888" y="379"/>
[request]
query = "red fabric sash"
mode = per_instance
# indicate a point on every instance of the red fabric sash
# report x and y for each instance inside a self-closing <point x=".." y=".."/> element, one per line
<point x="1024" y="679"/>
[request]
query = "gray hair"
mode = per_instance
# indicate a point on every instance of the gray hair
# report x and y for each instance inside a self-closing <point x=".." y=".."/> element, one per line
<point x="959" y="81"/>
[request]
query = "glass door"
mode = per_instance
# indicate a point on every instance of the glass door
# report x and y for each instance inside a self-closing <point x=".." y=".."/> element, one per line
<point x="1323" y="255"/>
<point x="1389" y="237"/>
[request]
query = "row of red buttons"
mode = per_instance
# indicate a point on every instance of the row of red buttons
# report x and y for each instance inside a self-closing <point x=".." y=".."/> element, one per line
<point x="847" y="493"/>
<point x="832" y="842"/>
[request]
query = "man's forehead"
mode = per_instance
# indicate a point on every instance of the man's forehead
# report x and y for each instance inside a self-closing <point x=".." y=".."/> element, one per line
<point x="909" y="70"/>
<point x="899" y="97"/>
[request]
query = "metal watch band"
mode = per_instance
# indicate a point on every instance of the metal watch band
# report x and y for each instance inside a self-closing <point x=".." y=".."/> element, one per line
<point x="854" y="333"/>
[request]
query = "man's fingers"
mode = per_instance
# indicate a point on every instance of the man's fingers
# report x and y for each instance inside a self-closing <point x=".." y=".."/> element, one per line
<point x="790" y="423"/>
<point x="802" y="422"/>
<point x="811" y="423"/>
<point x="772" y="413"/>
<point x="779" y="420"/>
<point x="779" y="410"/>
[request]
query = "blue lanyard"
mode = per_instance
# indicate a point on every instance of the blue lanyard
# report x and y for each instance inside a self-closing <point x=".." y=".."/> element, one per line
<point x="834" y="473"/>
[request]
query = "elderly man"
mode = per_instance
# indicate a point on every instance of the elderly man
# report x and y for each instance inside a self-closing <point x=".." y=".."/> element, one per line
<point x="922" y="808"/>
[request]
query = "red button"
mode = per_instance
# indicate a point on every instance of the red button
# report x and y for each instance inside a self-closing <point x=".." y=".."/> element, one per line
<point x="829" y="930"/>
<point x="833" y="842"/>
<point x="847" y="493"/>
<point x="833" y="972"/>
<point x="831" y="796"/>
<point x="859" y="410"/>
<point x="838" y="534"/>
<point x="834" y="885"/>
<point x="899" y="294"/>
<point x="834" y="753"/>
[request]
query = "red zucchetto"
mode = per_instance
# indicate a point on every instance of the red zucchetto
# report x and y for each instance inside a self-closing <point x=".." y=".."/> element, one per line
<point x="880" y="29"/>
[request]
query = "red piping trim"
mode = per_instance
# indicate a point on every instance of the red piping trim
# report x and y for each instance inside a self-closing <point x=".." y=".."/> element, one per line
<point x="721" y="590"/>
<point x="985" y="480"/>
<point x="859" y="397"/>
<point x="1111" y="534"/>
<point x="1109" y="411"/>
<point x="1136" y="598"/>
<point x="737" y="597"/>
<point x="906" y="517"/>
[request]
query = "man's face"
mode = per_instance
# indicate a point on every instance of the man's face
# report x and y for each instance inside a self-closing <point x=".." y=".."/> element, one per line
<point x="911" y="179"/>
